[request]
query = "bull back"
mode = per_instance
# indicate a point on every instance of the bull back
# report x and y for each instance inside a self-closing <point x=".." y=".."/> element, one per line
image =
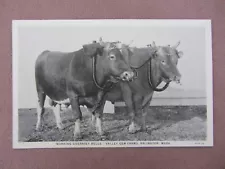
<point x="51" y="68"/>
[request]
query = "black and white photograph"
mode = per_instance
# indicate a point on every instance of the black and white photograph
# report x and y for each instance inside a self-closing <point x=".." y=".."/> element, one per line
<point x="112" y="83"/>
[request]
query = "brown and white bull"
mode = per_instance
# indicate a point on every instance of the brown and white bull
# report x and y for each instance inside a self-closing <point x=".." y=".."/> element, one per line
<point x="79" y="78"/>
<point x="154" y="64"/>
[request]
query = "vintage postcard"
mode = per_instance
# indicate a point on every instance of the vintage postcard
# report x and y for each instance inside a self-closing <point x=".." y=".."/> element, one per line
<point x="112" y="83"/>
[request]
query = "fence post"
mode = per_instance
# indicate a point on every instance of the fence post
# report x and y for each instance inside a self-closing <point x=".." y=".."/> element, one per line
<point x="109" y="108"/>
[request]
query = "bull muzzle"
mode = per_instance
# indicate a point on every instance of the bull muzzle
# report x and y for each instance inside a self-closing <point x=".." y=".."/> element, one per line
<point x="127" y="76"/>
<point x="176" y="79"/>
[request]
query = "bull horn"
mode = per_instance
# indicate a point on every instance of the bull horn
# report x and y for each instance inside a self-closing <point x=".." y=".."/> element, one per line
<point x="130" y="42"/>
<point x="175" y="46"/>
<point x="101" y="41"/>
<point x="153" y="44"/>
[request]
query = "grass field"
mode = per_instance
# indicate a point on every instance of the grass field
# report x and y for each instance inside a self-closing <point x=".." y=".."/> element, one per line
<point x="165" y="123"/>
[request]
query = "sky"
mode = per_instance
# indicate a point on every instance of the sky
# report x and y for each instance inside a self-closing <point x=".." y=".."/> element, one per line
<point x="33" y="39"/>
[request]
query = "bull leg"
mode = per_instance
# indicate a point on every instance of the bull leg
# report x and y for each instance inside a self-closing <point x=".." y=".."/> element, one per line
<point x="98" y="116"/>
<point x="145" y="105"/>
<point x="40" y="109"/>
<point x="99" y="112"/>
<point x="77" y="116"/>
<point x="93" y="119"/>
<point x="128" y="99"/>
<point x="99" y="124"/>
<point x="98" y="102"/>
<point x="134" y="127"/>
<point x="57" y="110"/>
<point x="143" y="120"/>
<point x="130" y="108"/>
<point x="60" y="107"/>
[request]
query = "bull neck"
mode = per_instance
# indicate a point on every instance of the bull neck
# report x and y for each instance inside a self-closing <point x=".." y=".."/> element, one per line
<point x="156" y="75"/>
<point x="101" y="74"/>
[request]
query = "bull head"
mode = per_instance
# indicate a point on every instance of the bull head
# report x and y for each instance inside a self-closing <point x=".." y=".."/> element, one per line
<point x="179" y="53"/>
<point x="97" y="47"/>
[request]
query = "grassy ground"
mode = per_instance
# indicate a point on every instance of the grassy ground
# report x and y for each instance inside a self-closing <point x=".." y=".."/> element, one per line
<point x="164" y="123"/>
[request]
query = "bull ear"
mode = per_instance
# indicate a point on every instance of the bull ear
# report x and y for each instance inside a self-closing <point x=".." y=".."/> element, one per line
<point x="153" y="52"/>
<point x="180" y="54"/>
<point x="92" y="49"/>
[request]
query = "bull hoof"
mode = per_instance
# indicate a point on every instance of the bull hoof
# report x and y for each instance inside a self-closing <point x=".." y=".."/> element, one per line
<point x="38" y="128"/>
<point x="101" y="134"/>
<point x="144" y="129"/>
<point x="149" y="132"/>
<point x="60" y="126"/>
<point x="103" y="137"/>
<point x="133" y="129"/>
<point x="77" y="137"/>
<point x="93" y="121"/>
<point x="41" y="129"/>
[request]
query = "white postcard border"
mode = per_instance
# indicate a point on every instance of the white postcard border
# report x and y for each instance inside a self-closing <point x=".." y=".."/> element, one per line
<point x="110" y="144"/>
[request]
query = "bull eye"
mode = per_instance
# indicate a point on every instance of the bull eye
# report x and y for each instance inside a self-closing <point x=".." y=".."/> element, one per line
<point x="112" y="57"/>
<point x="163" y="62"/>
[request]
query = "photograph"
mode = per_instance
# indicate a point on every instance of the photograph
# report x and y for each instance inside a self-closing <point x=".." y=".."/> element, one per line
<point x="112" y="83"/>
